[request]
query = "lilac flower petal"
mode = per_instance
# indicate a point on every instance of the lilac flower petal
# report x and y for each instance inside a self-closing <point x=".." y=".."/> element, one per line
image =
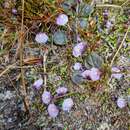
<point x="67" y="104"/>
<point x="117" y="76"/>
<point x="115" y="69"/>
<point x="77" y="66"/>
<point x="46" y="97"/>
<point x="61" y="90"/>
<point x="62" y="19"/>
<point x="121" y="102"/>
<point x="41" y="38"/>
<point x="86" y="73"/>
<point x="53" y="110"/>
<point x="14" y="11"/>
<point x="38" y="84"/>
<point x="95" y="74"/>
<point x="79" y="49"/>
<point x="116" y="73"/>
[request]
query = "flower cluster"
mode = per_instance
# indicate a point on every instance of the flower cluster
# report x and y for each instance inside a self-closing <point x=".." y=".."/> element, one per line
<point x="47" y="99"/>
<point x="42" y="37"/>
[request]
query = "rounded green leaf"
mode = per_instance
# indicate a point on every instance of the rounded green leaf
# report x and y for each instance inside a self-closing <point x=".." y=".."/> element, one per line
<point x="83" y="23"/>
<point x="60" y="38"/>
<point x="93" y="60"/>
<point x="85" y="10"/>
<point x="77" y="78"/>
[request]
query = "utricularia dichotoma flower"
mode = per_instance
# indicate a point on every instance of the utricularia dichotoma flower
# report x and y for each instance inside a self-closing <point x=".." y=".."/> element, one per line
<point x="38" y="84"/>
<point x="48" y="99"/>
<point x="61" y="90"/>
<point x="121" y="102"/>
<point x="41" y="38"/>
<point x="116" y="73"/>
<point x="62" y="19"/>
<point x="77" y="66"/>
<point x="79" y="49"/>
<point x="53" y="111"/>
<point x="67" y="104"/>
<point x="93" y="74"/>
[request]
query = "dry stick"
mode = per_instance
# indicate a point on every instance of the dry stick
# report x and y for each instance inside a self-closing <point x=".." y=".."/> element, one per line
<point x="44" y="68"/>
<point x="119" y="47"/>
<point x="117" y="53"/>
<point x="8" y="68"/>
<point x="21" y="41"/>
<point x="108" y="5"/>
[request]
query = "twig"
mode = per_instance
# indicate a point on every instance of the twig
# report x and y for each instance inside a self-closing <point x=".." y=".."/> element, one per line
<point x="44" y="68"/>
<point x="3" y="72"/>
<point x="21" y="41"/>
<point x="125" y="2"/>
<point x="119" y="47"/>
<point x="108" y="5"/>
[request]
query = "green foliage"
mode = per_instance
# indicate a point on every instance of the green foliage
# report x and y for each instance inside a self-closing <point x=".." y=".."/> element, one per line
<point x="77" y="78"/>
<point x="60" y="38"/>
<point x="93" y="60"/>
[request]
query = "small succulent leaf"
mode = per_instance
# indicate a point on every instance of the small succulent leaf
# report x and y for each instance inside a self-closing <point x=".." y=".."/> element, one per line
<point x="93" y="60"/>
<point x="60" y="38"/>
<point x="85" y="10"/>
<point x="77" y="78"/>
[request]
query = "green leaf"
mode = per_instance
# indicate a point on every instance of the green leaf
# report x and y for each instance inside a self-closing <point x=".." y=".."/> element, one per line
<point x="93" y="60"/>
<point x="83" y="23"/>
<point x="85" y="10"/>
<point x="77" y="78"/>
<point x="60" y="38"/>
<point x="67" y="6"/>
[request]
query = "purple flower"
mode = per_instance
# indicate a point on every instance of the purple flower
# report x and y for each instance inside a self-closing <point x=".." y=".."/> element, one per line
<point x="121" y="102"/>
<point x="93" y="74"/>
<point x="77" y="66"/>
<point x="38" y="84"/>
<point x="108" y="24"/>
<point x="86" y="73"/>
<point x="41" y="38"/>
<point x="53" y="110"/>
<point x="62" y="19"/>
<point x="46" y="97"/>
<point x="105" y="13"/>
<point x="61" y="90"/>
<point x="14" y="11"/>
<point x="79" y="49"/>
<point x="116" y="73"/>
<point x="67" y="104"/>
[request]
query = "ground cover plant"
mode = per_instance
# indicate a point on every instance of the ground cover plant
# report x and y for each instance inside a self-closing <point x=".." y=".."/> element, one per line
<point x="64" y="64"/>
